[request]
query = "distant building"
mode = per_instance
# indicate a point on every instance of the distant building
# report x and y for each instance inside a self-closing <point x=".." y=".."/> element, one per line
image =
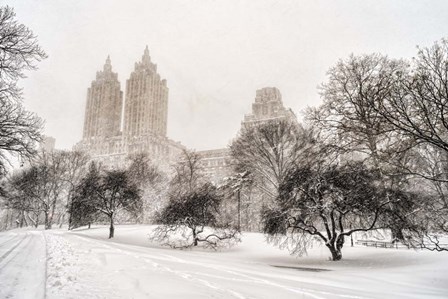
<point x="144" y="118"/>
<point x="268" y="106"/>
<point x="146" y="107"/>
<point x="104" y="104"/>
<point x="216" y="164"/>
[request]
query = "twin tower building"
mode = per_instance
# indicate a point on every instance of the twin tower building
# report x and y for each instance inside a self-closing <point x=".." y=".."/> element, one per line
<point x="118" y="124"/>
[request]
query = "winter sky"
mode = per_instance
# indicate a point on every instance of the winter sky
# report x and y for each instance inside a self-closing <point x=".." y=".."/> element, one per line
<point x="214" y="54"/>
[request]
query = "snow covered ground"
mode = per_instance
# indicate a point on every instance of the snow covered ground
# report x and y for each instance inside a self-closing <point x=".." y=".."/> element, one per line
<point x="85" y="264"/>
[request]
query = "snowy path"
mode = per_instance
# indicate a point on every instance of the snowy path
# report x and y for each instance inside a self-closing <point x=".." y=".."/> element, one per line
<point x="84" y="264"/>
<point x="110" y="270"/>
<point x="22" y="265"/>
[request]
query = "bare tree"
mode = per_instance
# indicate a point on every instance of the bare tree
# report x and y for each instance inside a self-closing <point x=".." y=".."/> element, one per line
<point x="187" y="174"/>
<point x="192" y="219"/>
<point x="268" y="150"/>
<point x="356" y="129"/>
<point x="45" y="186"/>
<point x="74" y="168"/>
<point x="19" y="132"/>
<point x="346" y="114"/>
<point x="83" y="199"/>
<point x="416" y="110"/>
<point x="108" y="192"/>
<point x="192" y="215"/>
<point x="19" y="51"/>
<point x="328" y="202"/>
<point x="20" y="198"/>
<point x="417" y="107"/>
<point x="235" y="185"/>
<point x="151" y="181"/>
<point x="52" y="168"/>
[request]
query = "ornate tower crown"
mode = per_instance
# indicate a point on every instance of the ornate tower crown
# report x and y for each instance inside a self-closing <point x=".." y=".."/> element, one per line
<point x="146" y="59"/>
<point x="107" y="66"/>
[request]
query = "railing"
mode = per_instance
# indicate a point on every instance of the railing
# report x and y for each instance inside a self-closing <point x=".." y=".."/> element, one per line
<point x="398" y="245"/>
<point x="380" y="244"/>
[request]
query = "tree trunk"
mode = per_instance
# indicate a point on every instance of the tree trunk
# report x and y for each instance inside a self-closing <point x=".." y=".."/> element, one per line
<point x="397" y="234"/>
<point x="50" y="218"/>
<point x="239" y="210"/>
<point x="89" y="225"/>
<point x="111" y="228"/>
<point x="7" y="219"/>
<point x="35" y="223"/>
<point x="61" y="220"/>
<point x="195" y="238"/>
<point x="336" y="254"/>
<point x="336" y="248"/>
<point x="70" y="216"/>
<point x="47" y="221"/>
<point x="22" y="218"/>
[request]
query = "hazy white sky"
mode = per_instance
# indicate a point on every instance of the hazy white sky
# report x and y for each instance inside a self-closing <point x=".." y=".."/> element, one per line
<point x="214" y="54"/>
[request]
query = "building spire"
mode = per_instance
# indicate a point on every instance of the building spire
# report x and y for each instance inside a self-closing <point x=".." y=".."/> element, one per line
<point x="107" y="65"/>
<point x="146" y="58"/>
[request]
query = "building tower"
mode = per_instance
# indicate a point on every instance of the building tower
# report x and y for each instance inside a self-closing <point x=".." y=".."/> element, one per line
<point x="268" y="106"/>
<point x="146" y="106"/>
<point x="104" y="104"/>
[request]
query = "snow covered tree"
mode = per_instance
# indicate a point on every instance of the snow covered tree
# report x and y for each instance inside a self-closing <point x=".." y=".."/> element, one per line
<point x="356" y="129"/>
<point x="19" y="196"/>
<point x="187" y="174"/>
<point x="390" y="113"/>
<point x="39" y="186"/>
<point x="192" y="214"/>
<point x="192" y="219"/>
<point x="235" y="185"/>
<point x="107" y="192"/>
<point x="151" y="181"/>
<point x="416" y="109"/>
<point x="83" y="199"/>
<point x="329" y="203"/>
<point x="74" y="168"/>
<point x="53" y="174"/>
<point x="267" y="150"/>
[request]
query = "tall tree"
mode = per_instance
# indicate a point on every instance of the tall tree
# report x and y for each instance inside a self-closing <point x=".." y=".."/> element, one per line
<point x="108" y="192"/>
<point x="187" y="174"/>
<point x="355" y="128"/>
<point x="19" y="51"/>
<point x="83" y="199"/>
<point x="418" y="105"/>
<point x="329" y="202"/>
<point x="151" y="181"/>
<point x="417" y="110"/>
<point x="235" y="185"/>
<point x="20" y="196"/>
<point x="268" y="150"/>
<point x="74" y="168"/>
